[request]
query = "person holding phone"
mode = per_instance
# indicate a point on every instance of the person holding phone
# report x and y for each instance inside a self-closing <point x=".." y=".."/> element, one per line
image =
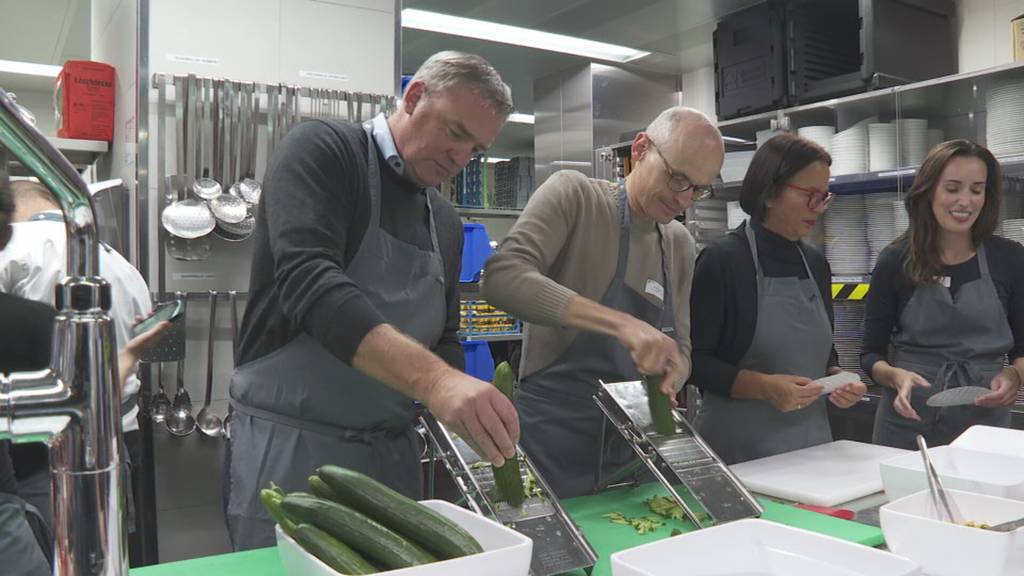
<point x="31" y="265"/>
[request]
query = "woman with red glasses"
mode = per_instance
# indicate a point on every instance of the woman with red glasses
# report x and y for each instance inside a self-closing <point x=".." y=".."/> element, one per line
<point x="761" y="313"/>
<point x="946" y="304"/>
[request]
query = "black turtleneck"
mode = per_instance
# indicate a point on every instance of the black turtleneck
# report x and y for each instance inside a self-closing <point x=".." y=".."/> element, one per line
<point x="723" y="301"/>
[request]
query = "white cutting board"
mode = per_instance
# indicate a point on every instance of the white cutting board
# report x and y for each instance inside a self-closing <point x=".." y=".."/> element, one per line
<point x="823" y="475"/>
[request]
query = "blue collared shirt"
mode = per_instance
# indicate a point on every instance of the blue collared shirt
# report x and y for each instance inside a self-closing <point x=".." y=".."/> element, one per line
<point x="386" y="144"/>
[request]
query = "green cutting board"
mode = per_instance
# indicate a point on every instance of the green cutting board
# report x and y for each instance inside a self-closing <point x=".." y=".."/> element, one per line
<point x="261" y="562"/>
<point x="608" y="538"/>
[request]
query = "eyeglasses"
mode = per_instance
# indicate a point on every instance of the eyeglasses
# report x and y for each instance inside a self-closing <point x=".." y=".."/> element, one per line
<point x="679" y="182"/>
<point x="817" y="200"/>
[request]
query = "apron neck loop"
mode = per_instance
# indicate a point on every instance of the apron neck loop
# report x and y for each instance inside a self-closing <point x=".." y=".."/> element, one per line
<point x="982" y="260"/>
<point x="624" y="222"/>
<point x="748" y="230"/>
<point x="372" y="177"/>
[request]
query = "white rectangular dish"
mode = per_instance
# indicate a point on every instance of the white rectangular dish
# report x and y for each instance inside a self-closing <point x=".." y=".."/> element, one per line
<point x="758" y="548"/>
<point x="945" y="549"/>
<point x="1005" y="441"/>
<point x="959" y="469"/>
<point x="506" y="552"/>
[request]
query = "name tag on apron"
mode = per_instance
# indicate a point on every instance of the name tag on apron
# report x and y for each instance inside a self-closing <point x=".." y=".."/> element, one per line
<point x="945" y="281"/>
<point x="655" y="289"/>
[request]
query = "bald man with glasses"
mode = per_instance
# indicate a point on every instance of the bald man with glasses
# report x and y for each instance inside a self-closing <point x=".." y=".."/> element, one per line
<point x="601" y="273"/>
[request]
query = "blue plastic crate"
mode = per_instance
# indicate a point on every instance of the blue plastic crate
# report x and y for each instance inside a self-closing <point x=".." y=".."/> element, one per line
<point x="476" y="248"/>
<point x="479" y="362"/>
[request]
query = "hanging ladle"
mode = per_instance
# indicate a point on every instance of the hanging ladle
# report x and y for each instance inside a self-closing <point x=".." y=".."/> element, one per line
<point x="208" y="422"/>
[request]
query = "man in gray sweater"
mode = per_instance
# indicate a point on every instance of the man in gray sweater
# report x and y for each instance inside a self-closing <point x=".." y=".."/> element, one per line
<point x="601" y="274"/>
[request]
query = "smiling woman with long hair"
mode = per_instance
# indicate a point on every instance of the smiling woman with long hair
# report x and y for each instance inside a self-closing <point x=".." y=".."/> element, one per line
<point x="946" y="304"/>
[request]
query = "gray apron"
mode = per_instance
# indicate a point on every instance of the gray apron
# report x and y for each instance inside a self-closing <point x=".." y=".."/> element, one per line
<point x="950" y="342"/>
<point x="559" y="421"/>
<point x="20" y="554"/>
<point x="300" y="407"/>
<point x="792" y="335"/>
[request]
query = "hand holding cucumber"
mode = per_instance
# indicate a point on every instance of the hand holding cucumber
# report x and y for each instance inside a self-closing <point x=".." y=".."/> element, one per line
<point x="479" y="413"/>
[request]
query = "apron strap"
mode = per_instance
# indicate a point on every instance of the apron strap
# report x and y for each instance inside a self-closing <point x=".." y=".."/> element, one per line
<point x="624" y="221"/>
<point x="759" y="272"/>
<point x="373" y="180"/>
<point x="347" y="434"/>
<point x="983" y="261"/>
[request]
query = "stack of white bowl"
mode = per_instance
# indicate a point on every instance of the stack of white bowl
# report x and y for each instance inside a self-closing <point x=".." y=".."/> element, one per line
<point x="881" y="223"/>
<point x="734" y="214"/>
<point x="765" y="135"/>
<point x="850" y="151"/>
<point x="1004" y="130"/>
<point x="846" y="243"/>
<point x="913" y="140"/>
<point x="935" y="137"/>
<point x="881" y="147"/>
<point x="822" y="135"/>
<point x="734" y="168"/>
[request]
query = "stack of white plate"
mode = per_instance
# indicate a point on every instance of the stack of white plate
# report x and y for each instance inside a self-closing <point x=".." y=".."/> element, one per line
<point x="848" y="333"/>
<point x="710" y="222"/>
<point x="913" y="140"/>
<point x="735" y="166"/>
<point x="1013" y="229"/>
<point x="734" y="214"/>
<point x="881" y="147"/>
<point x="881" y="223"/>
<point x="935" y="137"/>
<point x="1004" y="130"/>
<point x="850" y="151"/>
<point x="822" y="135"/>
<point x="765" y="135"/>
<point x="846" y="243"/>
<point x="900" y="218"/>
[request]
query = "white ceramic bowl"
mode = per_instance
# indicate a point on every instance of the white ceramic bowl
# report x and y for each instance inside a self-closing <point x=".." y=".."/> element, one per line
<point x="758" y="548"/>
<point x="1005" y="441"/>
<point x="945" y="549"/>
<point x="959" y="469"/>
<point x="506" y="552"/>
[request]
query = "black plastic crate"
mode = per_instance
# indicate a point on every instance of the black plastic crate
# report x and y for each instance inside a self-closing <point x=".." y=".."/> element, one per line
<point x="840" y="47"/>
<point x="750" y="61"/>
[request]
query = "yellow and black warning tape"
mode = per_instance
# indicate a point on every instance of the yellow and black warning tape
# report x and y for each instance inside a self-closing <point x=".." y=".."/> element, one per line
<point x="852" y="291"/>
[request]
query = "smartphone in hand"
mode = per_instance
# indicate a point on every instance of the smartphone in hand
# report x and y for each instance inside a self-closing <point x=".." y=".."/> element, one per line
<point x="165" y="312"/>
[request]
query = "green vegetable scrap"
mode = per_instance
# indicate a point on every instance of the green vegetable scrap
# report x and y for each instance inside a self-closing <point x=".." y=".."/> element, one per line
<point x="641" y="525"/>
<point x="676" y="532"/>
<point x="669" y="508"/>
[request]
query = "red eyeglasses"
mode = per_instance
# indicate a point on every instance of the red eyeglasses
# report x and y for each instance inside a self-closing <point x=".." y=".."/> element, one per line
<point x="817" y="200"/>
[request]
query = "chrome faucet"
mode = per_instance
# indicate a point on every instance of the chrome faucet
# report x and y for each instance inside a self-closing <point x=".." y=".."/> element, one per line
<point x="74" y="405"/>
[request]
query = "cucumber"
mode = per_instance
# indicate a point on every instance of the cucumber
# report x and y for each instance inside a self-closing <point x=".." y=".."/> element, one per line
<point x="272" y="502"/>
<point x="332" y="551"/>
<point x="322" y="490"/>
<point x="660" y="405"/>
<point x="507" y="479"/>
<point x="367" y="537"/>
<point x="437" y="534"/>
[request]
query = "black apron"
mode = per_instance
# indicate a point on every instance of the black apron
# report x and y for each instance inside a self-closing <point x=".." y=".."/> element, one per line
<point x="300" y="407"/>
<point x="793" y="335"/>
<point x="560" y="423"/>
<point x="949" y="342"/>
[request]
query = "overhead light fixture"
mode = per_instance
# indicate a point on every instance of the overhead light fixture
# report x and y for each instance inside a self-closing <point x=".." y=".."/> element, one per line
<point x="483" y="30"/>
<point x="494" y="159"/>
<point x="29" y="68"/>
<point x="519" y="118"/>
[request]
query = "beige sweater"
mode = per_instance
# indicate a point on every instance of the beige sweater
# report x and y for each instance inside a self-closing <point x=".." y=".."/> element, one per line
<point x="566" y="243"/>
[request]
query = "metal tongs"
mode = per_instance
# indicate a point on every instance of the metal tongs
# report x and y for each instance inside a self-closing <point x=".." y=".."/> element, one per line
<point x="945" y="507"/>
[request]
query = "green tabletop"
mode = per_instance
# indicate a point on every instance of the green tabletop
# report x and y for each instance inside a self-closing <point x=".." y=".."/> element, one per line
<point x="587" y="511"/>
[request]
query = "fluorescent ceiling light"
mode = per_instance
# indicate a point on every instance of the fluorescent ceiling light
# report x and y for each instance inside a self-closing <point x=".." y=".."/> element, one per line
<point x="495" y="159"/>
<point x="455" y="25"/>
<point x="520" y="118"/>
<point x="29" y="68"/>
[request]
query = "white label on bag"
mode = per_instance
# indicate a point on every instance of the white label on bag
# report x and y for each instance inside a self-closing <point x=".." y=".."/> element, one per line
<point x="655" y="289"/>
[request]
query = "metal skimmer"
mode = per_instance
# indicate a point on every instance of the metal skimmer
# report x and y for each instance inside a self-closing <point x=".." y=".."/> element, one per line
<point x="558" y="545"/>
<point x="682" y="460"/>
